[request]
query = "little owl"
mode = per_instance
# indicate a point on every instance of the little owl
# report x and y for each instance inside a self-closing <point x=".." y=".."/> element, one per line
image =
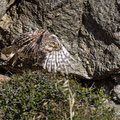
<point x="45" y="47"/>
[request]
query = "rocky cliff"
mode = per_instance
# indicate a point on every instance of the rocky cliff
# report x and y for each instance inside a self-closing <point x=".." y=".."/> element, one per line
<point x="89" y="29"/>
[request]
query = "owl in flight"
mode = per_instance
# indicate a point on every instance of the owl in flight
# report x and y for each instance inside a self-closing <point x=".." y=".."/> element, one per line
<point x="45" y="47"/>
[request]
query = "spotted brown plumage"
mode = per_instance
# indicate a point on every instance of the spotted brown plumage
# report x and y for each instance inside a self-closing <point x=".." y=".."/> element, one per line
<point x="43" y="44"/>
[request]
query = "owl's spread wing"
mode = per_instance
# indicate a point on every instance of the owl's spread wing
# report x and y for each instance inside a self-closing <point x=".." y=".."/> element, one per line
<point x="29" y="43"/>
<point x="58" y="61"/>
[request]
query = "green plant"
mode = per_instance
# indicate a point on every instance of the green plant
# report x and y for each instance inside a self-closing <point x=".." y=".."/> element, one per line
<point x="51" y="97"/>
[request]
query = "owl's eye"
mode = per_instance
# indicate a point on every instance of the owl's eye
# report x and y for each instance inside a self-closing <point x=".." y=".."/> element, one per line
<point x="52" y="43"/>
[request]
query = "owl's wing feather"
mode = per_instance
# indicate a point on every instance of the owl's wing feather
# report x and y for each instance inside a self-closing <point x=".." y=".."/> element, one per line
<point x="22" y="39"/>
<point x="57" y="58"/>
<point x="68" y="57"/>
<point x="64" y="63"/>
<point x="67" y="54"/>
<point x="45" y="60"/>
<point x="28" y="42"/>
<point x="54" y="66"/>
<point x="58" y="61"/>
<point x="30" y="48"/>
<point x="49" y="63"/>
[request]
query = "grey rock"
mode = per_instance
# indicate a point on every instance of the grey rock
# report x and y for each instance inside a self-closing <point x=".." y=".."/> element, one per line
<point x="89" y="29"/>
<point x="3" y="7"/>
<point x="118" y="2"/>
<point x="109" y="103"/>
<point x="117" y="93"/>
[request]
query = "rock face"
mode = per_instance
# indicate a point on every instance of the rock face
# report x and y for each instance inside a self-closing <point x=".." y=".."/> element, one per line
<point x="89" y="29"/>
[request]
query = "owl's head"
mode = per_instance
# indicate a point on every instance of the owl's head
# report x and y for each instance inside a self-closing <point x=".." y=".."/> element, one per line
<point x="52" y="43"/>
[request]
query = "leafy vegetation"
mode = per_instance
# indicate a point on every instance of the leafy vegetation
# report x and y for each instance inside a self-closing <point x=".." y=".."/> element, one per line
<point x="50" y="97"/>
